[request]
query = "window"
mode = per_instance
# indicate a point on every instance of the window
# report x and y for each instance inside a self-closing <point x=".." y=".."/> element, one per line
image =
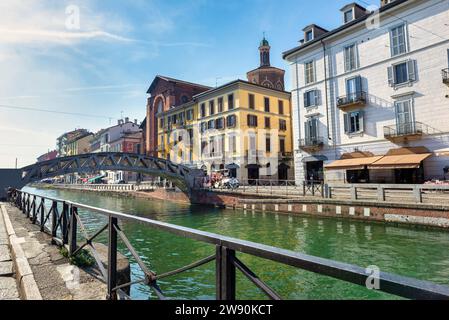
<point x="189" y="114"/>
<point x="252" y="104"/>
<point x="190" y="137"/>
<point x="220" y="104"/>
<point x="266" y="104"/>
<point x="203" y="127"/>
<point x="311" y="98"/>
<point x="282" y="125"/>
<point x="211" y="124"/>
<point x="398" y="40"/>
<point x="350" y="53"/>
<point x="267" y="123"/>
<point x="162" y="122"/>
<point x="311" y="131"/>
<point x="211" y="107"/>
<point x="203" y="110"/>
<point x="233" y="144"/>
<point x="252" y="120"/>
<point x="268" y="144"/>
<point x="231" y="121"/>
<point x="402" y="73"/>
<point x="281" y="106"/>
<point x="282" y="144"/>
<point x="219" y="123"/>
<point x="309" y="72"/>
<point x="353" y="122"/>
<point x="309" y="35"/>
<point x="348" y="15"/>
<point x="174" y="119"/>
<point x="404" y="116"/>
<point x="230" y="102"/>
<point x="184" y="99"/>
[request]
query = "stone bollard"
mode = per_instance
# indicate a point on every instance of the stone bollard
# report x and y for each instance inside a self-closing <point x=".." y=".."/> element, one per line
<point x="123" y="266"/>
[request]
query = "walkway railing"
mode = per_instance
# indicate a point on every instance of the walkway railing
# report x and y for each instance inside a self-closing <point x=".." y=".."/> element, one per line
<point x="266" y="187"/>
<point x="61" y="219"/>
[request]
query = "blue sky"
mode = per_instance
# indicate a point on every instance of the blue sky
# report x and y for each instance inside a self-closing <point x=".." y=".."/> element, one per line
<point x="106" y="66"/>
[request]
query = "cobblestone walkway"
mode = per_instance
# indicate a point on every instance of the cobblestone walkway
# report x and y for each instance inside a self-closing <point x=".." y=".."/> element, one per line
<point x="8" y="283"/>
<point x="54" y="276"/>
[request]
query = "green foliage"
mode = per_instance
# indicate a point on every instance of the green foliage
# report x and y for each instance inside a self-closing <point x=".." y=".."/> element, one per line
<point x="82" y="259"/>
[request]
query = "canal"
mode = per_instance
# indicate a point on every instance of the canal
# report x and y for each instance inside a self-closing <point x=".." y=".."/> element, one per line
<point x="414" y="252"/>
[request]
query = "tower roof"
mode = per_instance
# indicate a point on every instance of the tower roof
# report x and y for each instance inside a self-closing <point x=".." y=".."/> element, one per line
<point x="264" y="42"/>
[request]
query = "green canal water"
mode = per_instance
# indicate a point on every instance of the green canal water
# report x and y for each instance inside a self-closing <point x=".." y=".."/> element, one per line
<point x="414" y="252"/>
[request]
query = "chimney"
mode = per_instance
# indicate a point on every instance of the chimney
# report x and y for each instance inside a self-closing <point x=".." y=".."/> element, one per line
<point x="385" y="2"/>
<point x="136" y="121"/>
<point x="126" y="120"/>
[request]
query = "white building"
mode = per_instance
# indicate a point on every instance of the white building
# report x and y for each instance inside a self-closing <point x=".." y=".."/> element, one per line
<point x="105" y="141"/>
<point x="373" y="93"/>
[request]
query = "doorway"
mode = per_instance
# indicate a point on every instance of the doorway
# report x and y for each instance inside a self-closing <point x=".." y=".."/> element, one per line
<point x="253" y="173"/>
<point x="314" y="171"/>
<point x="283" y="172"/>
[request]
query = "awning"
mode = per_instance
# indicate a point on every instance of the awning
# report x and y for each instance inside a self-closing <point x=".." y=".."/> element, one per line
<point x="352" y="164"/>
<point x="406" y="161"/>
<point x="314" y="159"/>
<point x="232" y="166"/>
<point x="96" y="178"/>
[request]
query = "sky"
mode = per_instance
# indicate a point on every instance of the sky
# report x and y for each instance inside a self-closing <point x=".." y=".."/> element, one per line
<point x="93" y="60"/>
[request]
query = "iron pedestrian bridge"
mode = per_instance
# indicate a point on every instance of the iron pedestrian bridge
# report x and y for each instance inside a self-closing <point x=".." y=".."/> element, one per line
<point x="183" y="177"/>
<point x="62" y="221"/>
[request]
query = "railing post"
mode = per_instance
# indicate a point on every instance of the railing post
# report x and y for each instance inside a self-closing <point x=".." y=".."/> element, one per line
<point x="33" y="214"/>
<point x="380" y="193"/>
<point x="313" y="188"/>
<point x="418" y="194"/>
<point x="54" y="221"/>
<point x="42" y="215"/>
<point x="112" y="259"/>
<point x="65" y="211"/>
<point x="72" y="230"/>
<point x="225" y="274"/>
<point x="303" y="188"/>
<point x="353" y="193"/>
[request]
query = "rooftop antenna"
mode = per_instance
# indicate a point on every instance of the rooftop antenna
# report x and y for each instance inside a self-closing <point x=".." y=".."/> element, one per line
<point x="216" y="81"/>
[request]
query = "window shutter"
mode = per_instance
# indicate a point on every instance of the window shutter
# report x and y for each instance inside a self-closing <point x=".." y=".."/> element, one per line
<point x="358" y="85"/>
<point x="317" y="97"/>
<point x="248" y="120"/>
<point x="307" y="131"/>
<point x="411" y="70"/>
<point x="346" y="122"/>
<point x="390" y="77"/>
<point x="362" y="121"/>
<point x="305" y="100"/>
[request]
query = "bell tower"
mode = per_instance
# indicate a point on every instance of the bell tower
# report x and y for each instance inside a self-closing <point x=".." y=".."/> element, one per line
<point x="266" y="75"/>
<point x="264" y="50"/>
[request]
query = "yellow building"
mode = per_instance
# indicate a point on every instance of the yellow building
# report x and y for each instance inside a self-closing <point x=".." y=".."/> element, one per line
<point x="79" y="145"/>
<point x="244" y="127"/>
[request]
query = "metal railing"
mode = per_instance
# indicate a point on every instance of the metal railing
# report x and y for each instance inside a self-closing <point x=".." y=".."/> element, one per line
<point x="267" y="187"/>
<point x="445" y="73"/>
<point x="311" y="142"/>
<point x="352" y="98"/>
<point x="405" y="129"/>
<point x="66" y="225"/>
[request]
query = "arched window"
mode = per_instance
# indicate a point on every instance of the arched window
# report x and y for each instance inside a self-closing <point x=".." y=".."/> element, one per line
<point x="160" y="106"/>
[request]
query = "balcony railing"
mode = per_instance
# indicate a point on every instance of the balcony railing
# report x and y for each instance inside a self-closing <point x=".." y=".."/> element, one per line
<point x="285" y="155"/>
<point x="405" y="129"/>
<point x="311" y="143"/>
<point x="357" y="98"/>
<point x="445" y="74"/>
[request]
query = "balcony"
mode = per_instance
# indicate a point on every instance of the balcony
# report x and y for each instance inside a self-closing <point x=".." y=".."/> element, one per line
<point x="285" y="155"/>
<point x="445" y="74"/>
<point x="352" y="100"/>
<point x="311" y="144"/>
<point x="405" y="131"/>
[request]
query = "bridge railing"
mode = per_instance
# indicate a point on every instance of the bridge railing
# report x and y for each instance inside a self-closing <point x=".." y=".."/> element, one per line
<point x="61" y="219"/>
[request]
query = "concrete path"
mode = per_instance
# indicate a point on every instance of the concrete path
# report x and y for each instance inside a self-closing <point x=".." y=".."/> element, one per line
<point x="54" y="277"/>
<point x="8" y="282"/>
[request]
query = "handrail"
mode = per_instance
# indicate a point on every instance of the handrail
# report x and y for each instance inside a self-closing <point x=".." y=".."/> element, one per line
<point x="226" y="247"/>
<point x="356" y="97"/>
<point x="445" y="73"/>
<point x="403" y="129"/>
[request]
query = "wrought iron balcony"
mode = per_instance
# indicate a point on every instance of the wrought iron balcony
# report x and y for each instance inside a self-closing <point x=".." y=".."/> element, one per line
<point x="285" y="155"/>
<point x="405" y="131"/>
<point x="311" y="143"/>
<point x="351" y="100"/>
<point x="445" y="74"/>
